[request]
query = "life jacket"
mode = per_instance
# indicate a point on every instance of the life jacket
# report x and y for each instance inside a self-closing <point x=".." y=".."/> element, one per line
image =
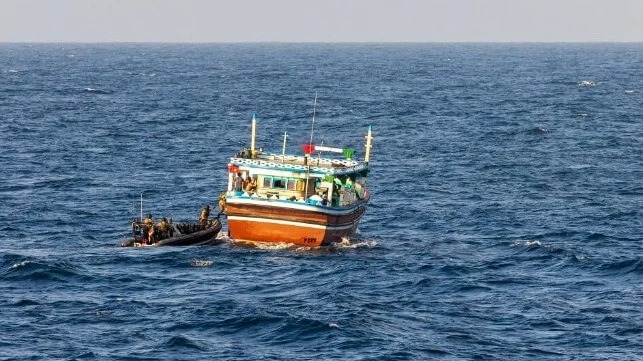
<point x="162" y="226"/>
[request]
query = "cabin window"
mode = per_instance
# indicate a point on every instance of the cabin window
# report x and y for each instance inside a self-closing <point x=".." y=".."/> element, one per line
<point x="290" y="184"/>
<point x="279" y="183"/>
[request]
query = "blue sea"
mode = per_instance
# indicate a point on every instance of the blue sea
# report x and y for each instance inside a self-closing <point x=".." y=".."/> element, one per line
<point x="506" y="219"/>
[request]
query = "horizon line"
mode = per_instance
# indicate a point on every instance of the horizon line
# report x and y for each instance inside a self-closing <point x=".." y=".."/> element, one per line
<point x="334" y="42"/>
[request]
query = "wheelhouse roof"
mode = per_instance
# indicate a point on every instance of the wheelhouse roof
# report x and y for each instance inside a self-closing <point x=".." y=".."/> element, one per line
<point x="321" y="166"/>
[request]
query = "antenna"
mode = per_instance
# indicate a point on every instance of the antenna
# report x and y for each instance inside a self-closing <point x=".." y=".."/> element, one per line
<point x="141" y="219"/>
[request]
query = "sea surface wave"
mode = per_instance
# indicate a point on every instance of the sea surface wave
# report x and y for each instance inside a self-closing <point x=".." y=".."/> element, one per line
<point x="505" y="221"/>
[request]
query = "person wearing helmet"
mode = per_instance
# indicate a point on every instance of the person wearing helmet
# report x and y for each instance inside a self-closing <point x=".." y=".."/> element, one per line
<point x="148" y="228"/>
<point x="205" y="213"/>
<point x="163" y="228"/>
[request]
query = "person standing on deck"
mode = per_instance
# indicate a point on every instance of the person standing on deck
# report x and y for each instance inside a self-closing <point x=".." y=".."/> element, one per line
<point x="238" y="182"/>
<point x="163" y="228"/>
<point x="222" y="202"/>
<point x="203" y="218"/>
<point x="251" y="185"/>
<point x="148" y="227"/>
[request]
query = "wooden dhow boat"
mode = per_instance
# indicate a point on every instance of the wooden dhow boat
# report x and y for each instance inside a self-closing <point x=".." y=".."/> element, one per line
<point x="312" y="199"/>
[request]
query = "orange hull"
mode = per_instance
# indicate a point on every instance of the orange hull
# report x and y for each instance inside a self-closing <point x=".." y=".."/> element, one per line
<point x="258" y="231"/>
<point x="265" y="223"/>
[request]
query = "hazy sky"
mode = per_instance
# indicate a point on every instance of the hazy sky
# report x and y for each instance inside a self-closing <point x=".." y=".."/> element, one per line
<point x="320" y="20"/>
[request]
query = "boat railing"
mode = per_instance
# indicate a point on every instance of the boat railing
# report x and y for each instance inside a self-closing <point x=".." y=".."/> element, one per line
<point x="336" y="165"/>
<point x="342" y="197"/>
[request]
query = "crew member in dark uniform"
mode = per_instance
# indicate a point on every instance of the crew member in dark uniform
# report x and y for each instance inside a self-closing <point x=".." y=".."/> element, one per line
<point x="203" y="218"/>
<point x="148" y="229"/>
<point x="222" y="202"/>
<point x="163" y="228"/>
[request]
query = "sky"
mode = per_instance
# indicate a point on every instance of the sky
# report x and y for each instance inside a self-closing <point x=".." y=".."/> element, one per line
<point x="321" y="21"/>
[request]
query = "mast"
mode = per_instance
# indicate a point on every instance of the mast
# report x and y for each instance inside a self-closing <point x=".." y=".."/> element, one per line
<point x="312" y="125"/>
<point x="283" y="148"/>
<point x="141" y="219"/>
<point x="369" y="138"/>
<point x="310" y="144"/>
<point x="253" y="135"/>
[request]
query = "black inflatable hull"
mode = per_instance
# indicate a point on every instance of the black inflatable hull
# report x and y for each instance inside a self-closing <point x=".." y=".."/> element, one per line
<point x="199" y="238"/>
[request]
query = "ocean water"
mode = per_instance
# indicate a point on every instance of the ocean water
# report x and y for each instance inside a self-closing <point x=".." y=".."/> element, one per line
<point x="506" y="219"/>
